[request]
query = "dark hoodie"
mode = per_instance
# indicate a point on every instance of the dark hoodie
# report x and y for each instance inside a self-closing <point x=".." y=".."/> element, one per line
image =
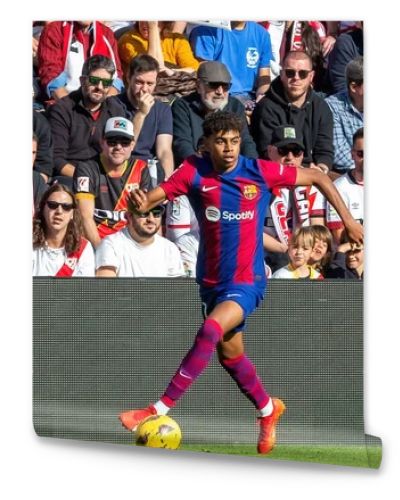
<point x="313" y="121"/>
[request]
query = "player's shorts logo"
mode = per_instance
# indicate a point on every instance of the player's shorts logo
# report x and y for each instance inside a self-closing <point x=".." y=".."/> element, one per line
<point x="250" y="191"/>
<point x="213" y="214"/>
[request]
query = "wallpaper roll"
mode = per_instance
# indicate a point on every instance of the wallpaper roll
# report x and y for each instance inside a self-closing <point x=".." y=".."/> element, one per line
<point x="104" y="346"/>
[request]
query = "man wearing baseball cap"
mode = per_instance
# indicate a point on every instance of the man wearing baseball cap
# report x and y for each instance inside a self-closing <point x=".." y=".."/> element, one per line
<point x="287" y="146"/>
<point x="102" y="185"/>
<point x="290" y="208"/>
<point x="190" y="111"/>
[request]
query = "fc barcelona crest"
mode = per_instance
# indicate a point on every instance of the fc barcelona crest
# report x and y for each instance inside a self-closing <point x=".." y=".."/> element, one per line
<point x="250" y="191"/>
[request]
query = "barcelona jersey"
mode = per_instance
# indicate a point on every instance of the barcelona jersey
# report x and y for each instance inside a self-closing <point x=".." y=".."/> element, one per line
<point x="230" y="208"/>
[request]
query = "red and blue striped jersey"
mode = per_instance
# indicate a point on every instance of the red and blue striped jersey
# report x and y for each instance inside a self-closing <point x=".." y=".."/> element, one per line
<point x="230" y="208"/>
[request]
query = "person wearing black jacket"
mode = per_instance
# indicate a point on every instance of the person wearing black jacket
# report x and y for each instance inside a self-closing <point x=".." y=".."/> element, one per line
<point x="292" y="100"/>
<point x="189" y="112"/>
<point x="77" y="120"/>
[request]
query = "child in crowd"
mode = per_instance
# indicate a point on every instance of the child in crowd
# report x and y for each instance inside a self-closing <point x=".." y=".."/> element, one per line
<point x="348" y="262"/>
<point x="322" y="250"/>
<point x="301" y="246"/>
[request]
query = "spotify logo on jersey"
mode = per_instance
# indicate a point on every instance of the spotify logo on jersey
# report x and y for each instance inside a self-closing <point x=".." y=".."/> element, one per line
<point x="213" y="214"/>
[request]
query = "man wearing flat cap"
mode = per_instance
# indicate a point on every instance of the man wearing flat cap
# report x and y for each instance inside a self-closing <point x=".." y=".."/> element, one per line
<point x="189" y="112"/>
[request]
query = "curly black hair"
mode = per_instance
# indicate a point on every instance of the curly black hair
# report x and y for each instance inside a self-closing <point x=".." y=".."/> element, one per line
<point x="221" y="121"/>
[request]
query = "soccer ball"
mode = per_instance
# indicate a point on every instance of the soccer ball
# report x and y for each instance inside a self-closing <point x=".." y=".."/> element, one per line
<point x="159" y="431"/>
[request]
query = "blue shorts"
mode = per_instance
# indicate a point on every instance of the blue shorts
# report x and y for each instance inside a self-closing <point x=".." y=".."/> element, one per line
<point x="247" y="296"/>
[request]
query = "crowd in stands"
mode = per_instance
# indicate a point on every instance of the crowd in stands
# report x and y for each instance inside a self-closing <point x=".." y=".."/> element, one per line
<point x="119" y="106"/>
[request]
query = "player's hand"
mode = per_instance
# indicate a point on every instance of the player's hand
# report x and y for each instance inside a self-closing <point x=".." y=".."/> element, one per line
<point x="320" y="166"/>
<point x="139" y="199"/>
<point x="355" y="232"/>
<point x="145" y="102"/>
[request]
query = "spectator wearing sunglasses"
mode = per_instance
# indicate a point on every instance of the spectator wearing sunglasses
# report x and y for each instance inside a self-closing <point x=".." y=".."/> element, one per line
<point x="290" y="208"/>
<point x="63" y="48"/>
<point x="348" y="115"/>
<point x="351" y="189"/>
<point x="189" y="112"/>
<point x="292" y="100"/>
<point x="58" y="246"/>
<point x="77" y="120"/>
<point x="102" y="185"/>
<point x="137" y="250"/>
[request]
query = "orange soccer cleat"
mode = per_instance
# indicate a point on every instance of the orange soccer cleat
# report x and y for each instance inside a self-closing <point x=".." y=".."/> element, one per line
<point x="132" y="418"/>
<point x="267" y="436"/>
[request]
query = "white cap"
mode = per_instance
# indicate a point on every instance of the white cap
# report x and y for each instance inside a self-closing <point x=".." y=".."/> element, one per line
<point x="118" y="126"/>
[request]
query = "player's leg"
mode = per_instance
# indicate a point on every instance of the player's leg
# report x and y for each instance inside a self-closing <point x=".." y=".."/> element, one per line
<point x="232" y="356"/>
<point x="224" y="317"/>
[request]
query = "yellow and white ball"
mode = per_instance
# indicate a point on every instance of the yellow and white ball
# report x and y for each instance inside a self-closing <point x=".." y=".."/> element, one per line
<point x="159" y="431"/>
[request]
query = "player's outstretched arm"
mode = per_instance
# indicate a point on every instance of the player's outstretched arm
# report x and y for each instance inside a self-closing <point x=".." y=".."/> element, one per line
<point x="145" y="201"/>
<point x="309" y="176"/>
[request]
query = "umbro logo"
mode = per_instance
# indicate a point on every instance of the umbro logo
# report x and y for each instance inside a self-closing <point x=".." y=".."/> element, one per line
<point x="208" y="188"/>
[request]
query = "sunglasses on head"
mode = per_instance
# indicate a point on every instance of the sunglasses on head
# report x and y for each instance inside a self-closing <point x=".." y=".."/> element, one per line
<point x="156" y="211"/>
<point x="95" y="80"/>
<point x="112" y="142"/>
<point x="216" y="85"/>
<point x="285" y="150"/>
<point x="359" y="153"/>
<point x="291" y="73"/>
<point x="53" y="205"/>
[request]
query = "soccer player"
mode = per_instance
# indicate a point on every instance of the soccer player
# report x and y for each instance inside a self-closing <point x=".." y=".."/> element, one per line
<point x="229" y="194"/>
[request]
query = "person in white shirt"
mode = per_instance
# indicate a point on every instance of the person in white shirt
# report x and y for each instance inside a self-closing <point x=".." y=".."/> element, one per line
<point x="58" y="246"/>
<point x="137" y="250"/>
<point x="351" y="189"/>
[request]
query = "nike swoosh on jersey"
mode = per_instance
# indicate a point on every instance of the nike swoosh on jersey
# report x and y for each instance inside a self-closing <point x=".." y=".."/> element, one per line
<point x="208" y="188"/>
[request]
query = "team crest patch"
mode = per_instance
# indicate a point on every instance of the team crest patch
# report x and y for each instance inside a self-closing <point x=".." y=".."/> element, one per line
<point x="250" y="191"/>
<point x="71" y="262"/>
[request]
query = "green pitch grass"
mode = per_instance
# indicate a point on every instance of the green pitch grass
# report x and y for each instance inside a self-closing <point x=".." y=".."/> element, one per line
<point x="354" y="456"/>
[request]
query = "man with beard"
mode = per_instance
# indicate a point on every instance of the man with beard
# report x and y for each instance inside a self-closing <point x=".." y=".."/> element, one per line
<point x="291" y="100"/>
<point x="137" y="250"/>
<point x="189" y="112"/>
<point x="103" y="184"/>
<point x="77" y="120"/>
<point x="154" y="117"/>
